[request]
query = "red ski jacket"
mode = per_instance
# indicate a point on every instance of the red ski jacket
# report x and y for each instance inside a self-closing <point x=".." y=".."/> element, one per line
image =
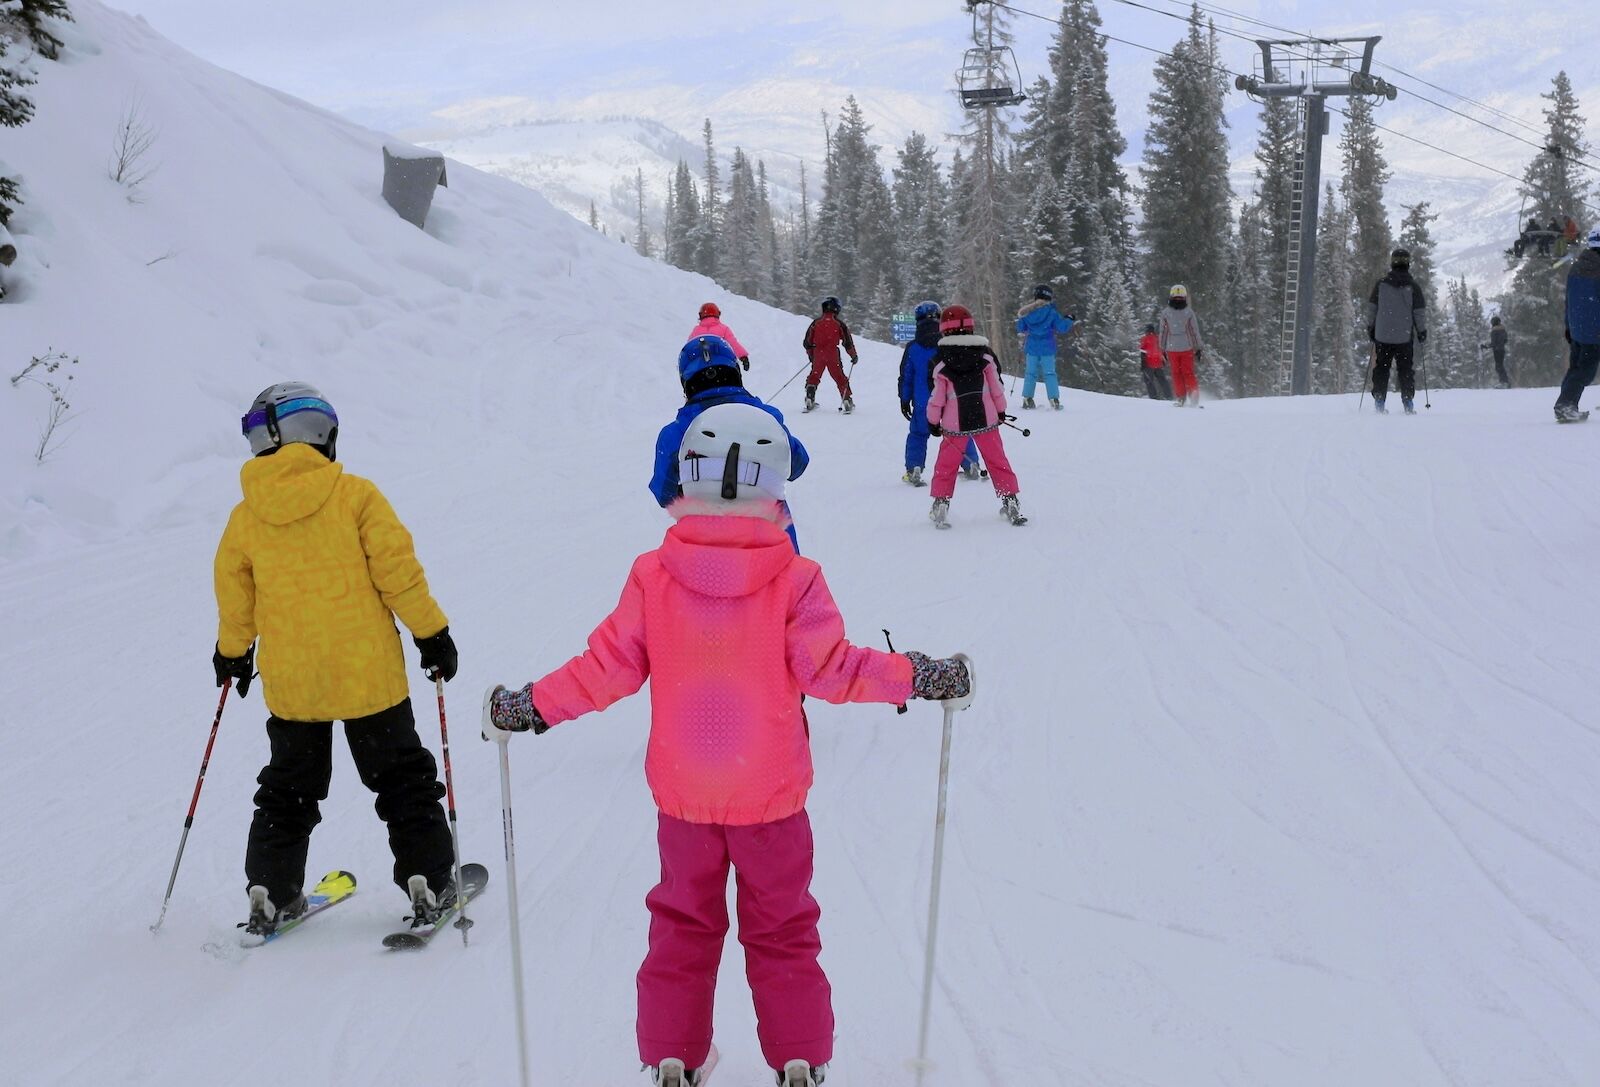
<point x="1152" y="350"/>
<point x="824" y="338"/>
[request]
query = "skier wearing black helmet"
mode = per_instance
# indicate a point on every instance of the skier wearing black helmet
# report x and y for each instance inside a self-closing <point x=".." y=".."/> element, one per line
<point x="1396" y="322"/>
<point x="824" y="337"/>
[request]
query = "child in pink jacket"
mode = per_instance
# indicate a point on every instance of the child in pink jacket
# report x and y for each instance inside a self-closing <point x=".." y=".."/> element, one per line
<point x="711" y="325"/>
<point x="968" y="401"/>
<point x="732" y="628"/>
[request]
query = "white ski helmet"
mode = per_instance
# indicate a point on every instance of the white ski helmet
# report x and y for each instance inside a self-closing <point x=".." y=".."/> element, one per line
<point x="734" y="451"/>
<point x="288" y="412"/>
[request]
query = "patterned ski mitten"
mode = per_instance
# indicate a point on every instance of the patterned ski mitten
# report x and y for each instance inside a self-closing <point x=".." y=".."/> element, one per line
<point x="938" y="679"/>
<point x="514" y="711"/>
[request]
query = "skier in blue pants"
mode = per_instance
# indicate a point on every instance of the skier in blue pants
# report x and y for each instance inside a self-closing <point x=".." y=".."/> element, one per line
<point x="1040" y="321"/>
<point x="709" y="371"/>
<point x="916" y="385"/>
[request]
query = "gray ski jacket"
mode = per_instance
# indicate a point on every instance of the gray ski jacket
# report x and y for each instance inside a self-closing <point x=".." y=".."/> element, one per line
<point x="1180" y="330"/>
<point x="1396" y="310"/>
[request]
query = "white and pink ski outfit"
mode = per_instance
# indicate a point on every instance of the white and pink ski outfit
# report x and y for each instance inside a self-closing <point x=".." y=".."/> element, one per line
<point x="731" y="627"/>
<point x="713" y="326"/>
<point x="968" y="401"/>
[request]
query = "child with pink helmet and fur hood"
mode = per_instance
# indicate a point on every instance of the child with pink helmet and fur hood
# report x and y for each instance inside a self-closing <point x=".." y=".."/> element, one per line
<point x="968" y="404"/>
<point x="733" y="628"/>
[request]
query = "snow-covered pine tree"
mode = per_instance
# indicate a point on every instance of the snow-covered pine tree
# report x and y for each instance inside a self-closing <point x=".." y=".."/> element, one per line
<point x="855" y="223"/>
<point x="643" y="244"/>
<point x="1416" y="237"/>
<point x="708" y="241"/>
<point x="31" y="19"/>
<point x="1105" y="356"/>
<point x="1366" y="172"/>
<point x="1278" y="147"/>
<point x="774" y="284"/>
<point x="1187" y="195"/>
<point x="803" y="278"/>
<point x="16" y="109"/>
<point x="1253" y="308"/>
<point x="669" y="209"/>
<point x="1336" y="364"/>
<point x="740" y="249"/>
<point x="1555" y="185"/>
<point x="683" y="243"/>
<point x="594" y="217"/>
<point x="919" y="209"/>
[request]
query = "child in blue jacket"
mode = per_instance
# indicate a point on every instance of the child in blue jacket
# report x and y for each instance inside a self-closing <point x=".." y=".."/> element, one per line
<point x="709" y="371"/>
<point x="916" y="385"/>
<point x="1040" y="322"/>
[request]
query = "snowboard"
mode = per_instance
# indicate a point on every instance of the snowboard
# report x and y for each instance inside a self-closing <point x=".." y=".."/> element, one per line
<point x="474" y="877"/>
<point x="330" y="890"/>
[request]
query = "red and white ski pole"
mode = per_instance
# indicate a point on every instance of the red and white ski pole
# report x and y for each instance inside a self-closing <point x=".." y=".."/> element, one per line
<point x="194" y="801"/>
<point x="463" y="922"/>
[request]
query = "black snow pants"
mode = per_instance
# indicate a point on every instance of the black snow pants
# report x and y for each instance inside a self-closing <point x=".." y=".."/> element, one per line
<point x="1390" y="354"/>
<point x="1155" y="382"/>
<point x="1584" y="362"/>
<point x="1500" y="366"/>
<point x="391" y="761"/>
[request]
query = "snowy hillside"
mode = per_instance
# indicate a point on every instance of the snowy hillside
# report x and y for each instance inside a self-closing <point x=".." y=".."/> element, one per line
<point x="1282" y="771"/>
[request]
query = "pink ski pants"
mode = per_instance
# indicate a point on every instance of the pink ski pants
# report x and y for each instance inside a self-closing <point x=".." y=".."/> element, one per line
<point x="994" y="459"/>
<point x="777" y="926"/>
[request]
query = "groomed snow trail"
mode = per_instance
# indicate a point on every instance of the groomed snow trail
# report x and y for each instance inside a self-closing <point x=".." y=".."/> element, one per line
<point x="1283" y="770"/>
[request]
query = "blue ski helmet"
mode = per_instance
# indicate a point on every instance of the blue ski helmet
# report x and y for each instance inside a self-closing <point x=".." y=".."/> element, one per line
<point x="707" y="362"/>
<point x="927" y="309"/>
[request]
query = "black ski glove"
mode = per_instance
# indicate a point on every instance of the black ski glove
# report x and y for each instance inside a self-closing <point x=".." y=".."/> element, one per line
<point x="239" y="669"/>
<point x="514" y="711"/>
<point x="1566" y="334"/>
<point x="936" y="430"/>
<point x="744" y="360"/>
<point x="438" y="654"/>
<point x="1372" y="333"/>
<point x="938" y="679"/>
<point x="905" y="409"/>
<point x="1422" y="335"/>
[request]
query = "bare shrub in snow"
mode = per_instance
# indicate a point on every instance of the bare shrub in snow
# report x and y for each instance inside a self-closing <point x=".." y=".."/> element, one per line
<point x="130" y="164"/>
<point x="44" y="371"/>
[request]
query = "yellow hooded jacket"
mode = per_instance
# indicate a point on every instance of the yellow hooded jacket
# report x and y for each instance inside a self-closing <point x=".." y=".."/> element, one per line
<point x="317" y="564"/>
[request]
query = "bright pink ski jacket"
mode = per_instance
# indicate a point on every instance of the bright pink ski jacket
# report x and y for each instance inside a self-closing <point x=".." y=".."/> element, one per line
<point x="712" y="326"/>
<point x="731" y="627"/>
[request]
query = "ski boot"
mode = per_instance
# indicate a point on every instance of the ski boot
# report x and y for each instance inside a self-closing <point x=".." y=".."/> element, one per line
<point x="426" y="907"/>
<point x="970" y="469"/>
<point x="940" y="513"/>
<point x="1055" y="402"/>
<point x="801" y="1074"/>
<point x="1568" y="413"/>
<point x="1379" y="406"/>
<point x="913" y="476"/>
<point x="848" y="406"/>
<point x="811" y="398"/>
<point x="1411" y="408"/>
<point x="265" y="917"/>
<point x="672" y="1073"/>
<point x="1027" y="402"/>
<point x="1011" y="510"/>
<point x="1193" y="399"/>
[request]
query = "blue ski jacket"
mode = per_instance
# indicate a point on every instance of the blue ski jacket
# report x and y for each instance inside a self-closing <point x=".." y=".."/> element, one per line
<point x="664" y="483"/>
<point x="1583" y="298"/>
<point x="916" y="365"/>
<point x="1041" y="321"/>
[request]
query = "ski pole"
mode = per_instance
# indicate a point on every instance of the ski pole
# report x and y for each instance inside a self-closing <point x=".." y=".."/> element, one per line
<point x="502" y="737"/>
<point x="194" y="801"/>
<point x="1005" y="420"/>
<point x="951" y="706"/>
<point x="1426" y="402"/>
<point x="463" y="922"/>
<point x="803" y="368"/>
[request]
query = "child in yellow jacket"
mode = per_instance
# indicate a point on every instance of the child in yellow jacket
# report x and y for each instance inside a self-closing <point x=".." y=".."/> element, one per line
<point x="316" y="565"/>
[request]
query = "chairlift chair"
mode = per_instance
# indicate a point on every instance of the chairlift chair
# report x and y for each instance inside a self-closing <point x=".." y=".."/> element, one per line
<point x="989" y="77"/>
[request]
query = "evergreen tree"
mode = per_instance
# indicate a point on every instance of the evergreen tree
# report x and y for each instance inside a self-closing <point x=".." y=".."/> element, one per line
<point x="1105" y="355"/>
<point x="803" y="278"/>
<point x="855" y="223"/>
<point x="919" y="208"/>
<point x="1366" y="172"/>
<point x="30" y="19"/>
<point x="708" y="241"/>
<point x="683" y="243"/>
<point x="1187" y="195"/>
<point x="594" y="217"/>
<point x="1251" y="335"/>
<point x="1555" y="185"/>
<point x="642" y="243"/>
<point x="1417" y="239"/>
<point x="775" y="288"/>
<point x="16" y="109"/>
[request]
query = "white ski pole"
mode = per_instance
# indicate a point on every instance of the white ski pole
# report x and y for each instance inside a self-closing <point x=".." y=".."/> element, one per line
<point x="951" y="706"/>
<point x="502" y="737"/>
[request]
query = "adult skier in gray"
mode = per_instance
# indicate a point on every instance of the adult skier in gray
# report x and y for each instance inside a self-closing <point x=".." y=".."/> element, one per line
<point x="1497" y="344"/>
<point x="1396" y="323"/>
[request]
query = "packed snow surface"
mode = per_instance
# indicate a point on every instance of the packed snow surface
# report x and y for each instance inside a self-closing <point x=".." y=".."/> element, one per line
<point x="1282" y="771"/>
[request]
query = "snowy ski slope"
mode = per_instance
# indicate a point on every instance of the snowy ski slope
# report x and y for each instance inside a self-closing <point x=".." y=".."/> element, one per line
<point x="1283" y="773"/>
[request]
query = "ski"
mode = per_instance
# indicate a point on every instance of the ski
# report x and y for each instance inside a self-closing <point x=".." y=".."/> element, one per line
<point x="330" y="890"/>
<point x="474" y="877"/>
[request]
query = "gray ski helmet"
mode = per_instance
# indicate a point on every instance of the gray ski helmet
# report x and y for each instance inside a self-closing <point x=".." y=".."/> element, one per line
<point x="288" y="412"/>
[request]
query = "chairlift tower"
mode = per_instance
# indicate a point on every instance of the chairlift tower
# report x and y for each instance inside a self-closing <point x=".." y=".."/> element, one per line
<point x="1331" y="68"/>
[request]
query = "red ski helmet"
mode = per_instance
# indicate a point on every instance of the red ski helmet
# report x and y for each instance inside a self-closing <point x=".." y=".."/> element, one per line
<point x="710" y="309"/>
<point x="954" y="320"/>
